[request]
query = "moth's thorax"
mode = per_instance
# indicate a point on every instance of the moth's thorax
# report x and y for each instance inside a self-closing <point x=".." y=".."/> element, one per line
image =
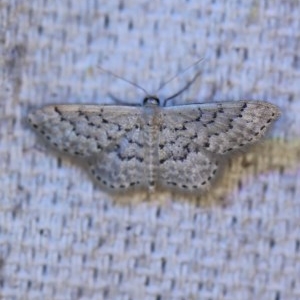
<point x="151" y="101"/>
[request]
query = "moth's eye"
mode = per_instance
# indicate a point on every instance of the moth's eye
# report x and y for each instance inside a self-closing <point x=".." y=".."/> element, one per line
<point x="151" y="101"/>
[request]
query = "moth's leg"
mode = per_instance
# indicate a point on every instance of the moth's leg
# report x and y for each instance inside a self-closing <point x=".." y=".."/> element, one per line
<point x="120" y="101"/>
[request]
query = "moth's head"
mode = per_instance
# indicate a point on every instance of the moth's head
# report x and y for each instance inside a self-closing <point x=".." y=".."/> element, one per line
<point x="151" y="101"/>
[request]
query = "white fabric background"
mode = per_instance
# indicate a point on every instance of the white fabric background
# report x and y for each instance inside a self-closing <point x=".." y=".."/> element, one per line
<point x="61" y="237"/>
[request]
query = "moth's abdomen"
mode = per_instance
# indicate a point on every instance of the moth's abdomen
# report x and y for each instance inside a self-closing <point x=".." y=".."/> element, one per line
<point x="151" y="131"/>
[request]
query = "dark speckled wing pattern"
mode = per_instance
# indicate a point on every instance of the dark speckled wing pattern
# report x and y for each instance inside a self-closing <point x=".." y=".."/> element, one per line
<point x="177" y="147"/>
<point x="194" y="138"/>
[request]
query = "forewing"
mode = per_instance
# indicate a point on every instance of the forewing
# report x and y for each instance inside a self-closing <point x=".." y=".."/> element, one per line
<point x="218" y="127"/>
<point x="193" y="138"/>
<point x="107" y="138"/>
<point x="84" y="130"/>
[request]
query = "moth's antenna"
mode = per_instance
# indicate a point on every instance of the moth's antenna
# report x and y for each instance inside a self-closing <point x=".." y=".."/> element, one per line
<point x="189" y="83"/>
<point x="124" y="79"/>
<point x="181" y="72"/>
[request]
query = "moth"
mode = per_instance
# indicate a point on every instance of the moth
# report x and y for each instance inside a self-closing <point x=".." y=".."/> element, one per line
<point x="154" y="146"/>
